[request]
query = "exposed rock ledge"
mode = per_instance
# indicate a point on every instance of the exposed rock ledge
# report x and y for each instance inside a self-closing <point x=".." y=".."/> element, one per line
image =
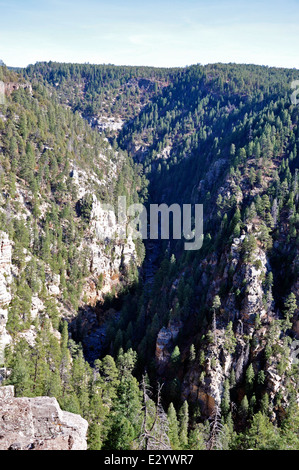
<point x="38" y="424"/>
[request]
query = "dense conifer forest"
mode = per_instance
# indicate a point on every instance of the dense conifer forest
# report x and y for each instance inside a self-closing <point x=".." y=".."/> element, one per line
<point x="199" y="345"/>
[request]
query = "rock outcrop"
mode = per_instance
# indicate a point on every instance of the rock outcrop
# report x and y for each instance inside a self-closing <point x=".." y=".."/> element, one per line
<point x="206" y="384"/>
<point x="38" y="424"/>
<point x="10" y="87"/>
<point x="165" y="343"/>
<point x="109" y="249"/>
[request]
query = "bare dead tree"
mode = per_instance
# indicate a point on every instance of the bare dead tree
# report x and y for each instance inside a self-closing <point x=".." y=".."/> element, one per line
<point x="215" y="430"/>
<point x="274" y="212"/>
<point x="154" y="428"/>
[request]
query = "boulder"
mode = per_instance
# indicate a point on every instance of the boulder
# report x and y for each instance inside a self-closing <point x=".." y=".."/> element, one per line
<point x="38" y="424"/>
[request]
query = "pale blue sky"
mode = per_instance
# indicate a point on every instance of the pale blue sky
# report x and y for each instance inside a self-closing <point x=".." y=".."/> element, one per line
<point x="158" y="32"/>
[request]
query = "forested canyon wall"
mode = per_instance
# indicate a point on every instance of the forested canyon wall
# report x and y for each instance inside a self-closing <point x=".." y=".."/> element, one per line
<point x="217" y="326"/>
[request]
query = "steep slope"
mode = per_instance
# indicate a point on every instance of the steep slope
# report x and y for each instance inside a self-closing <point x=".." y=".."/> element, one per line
<point x="55" y="174"/>
<point x="217" y="326"/>
<point x="226" y="137"/>
<point x="107" y="95"/>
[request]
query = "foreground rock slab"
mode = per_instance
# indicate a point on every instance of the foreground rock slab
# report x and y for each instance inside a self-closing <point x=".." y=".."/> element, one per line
<point x="38" y="424"/>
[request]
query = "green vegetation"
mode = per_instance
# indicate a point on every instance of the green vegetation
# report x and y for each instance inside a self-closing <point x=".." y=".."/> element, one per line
<point x="222" y="135"/>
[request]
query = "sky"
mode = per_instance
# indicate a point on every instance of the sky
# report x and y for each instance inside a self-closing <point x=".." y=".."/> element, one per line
<point x="161" y="33"/>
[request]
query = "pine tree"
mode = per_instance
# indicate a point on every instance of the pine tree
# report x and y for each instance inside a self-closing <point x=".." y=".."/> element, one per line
<point x="198" y="437"/>
<point x="225" y="403"/>
<point x="183" y="425"/>
<point x="290" y="305"/>
<point x="192" y="354"/>
<point x="244" y="408"/>
<point x="262" y="434"/>
<point x="173" y="432"/>
<point x="250" y="377"/>
<point x="290" y="308"/>
<point x="175" y="357"/>
<point x="20" y="376"/>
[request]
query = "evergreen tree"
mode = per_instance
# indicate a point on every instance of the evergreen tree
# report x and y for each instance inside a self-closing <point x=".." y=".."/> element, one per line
<point x="173" y="423"/>
<point x="183" y="425"/>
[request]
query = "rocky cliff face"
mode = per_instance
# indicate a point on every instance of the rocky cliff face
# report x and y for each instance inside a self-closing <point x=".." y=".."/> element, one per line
<point x="165" y="343"/>
<point x="228" y="351"/>
<point x="109" y="253"/>
<point x="106" y="258"/>
<point x="10" y="87"/>
<point x="38" y="424"/>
